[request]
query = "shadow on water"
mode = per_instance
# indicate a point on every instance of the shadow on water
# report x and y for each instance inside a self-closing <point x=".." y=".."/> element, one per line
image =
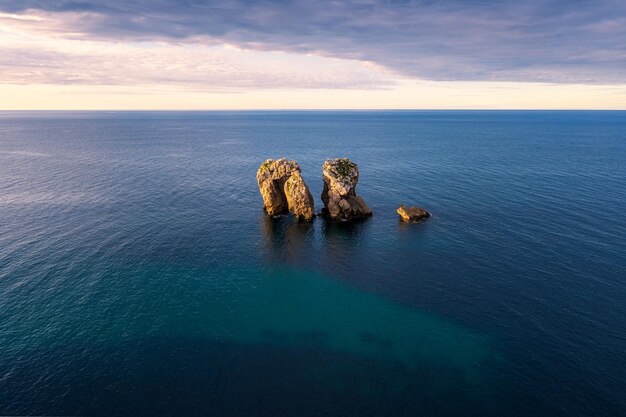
<point x="240" y="341"/>
<point x="296" y="306"/>
<point x="191" y="376"/>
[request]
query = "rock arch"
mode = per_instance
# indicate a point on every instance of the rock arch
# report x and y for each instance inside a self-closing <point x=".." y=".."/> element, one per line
<point x="283" y="189"/>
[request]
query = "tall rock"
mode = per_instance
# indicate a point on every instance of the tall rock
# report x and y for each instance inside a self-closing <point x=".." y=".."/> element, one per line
<point x="339" y="196"/>
<point x="283" y="189"/>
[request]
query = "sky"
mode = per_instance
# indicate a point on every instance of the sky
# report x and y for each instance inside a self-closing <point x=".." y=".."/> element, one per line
<point x="312" y="54"/>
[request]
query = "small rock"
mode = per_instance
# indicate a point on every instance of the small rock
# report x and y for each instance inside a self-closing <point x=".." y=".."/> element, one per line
<point x="412" y="214"/>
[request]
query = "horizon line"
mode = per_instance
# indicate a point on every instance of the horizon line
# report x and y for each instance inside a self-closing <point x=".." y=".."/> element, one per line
<point x="307" y="110"/>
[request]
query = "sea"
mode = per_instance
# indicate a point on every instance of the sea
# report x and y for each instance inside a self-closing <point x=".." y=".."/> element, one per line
<point x="140" y="276"/>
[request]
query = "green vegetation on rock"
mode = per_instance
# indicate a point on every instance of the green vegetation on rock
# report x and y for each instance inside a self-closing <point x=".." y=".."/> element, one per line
<point x="343" y="167"/>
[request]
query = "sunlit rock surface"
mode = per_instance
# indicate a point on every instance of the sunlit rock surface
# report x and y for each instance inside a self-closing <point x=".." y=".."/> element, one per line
<point x="283" y="189"/>
<point x="339" y="195"/>
<point x="412" y="214"/>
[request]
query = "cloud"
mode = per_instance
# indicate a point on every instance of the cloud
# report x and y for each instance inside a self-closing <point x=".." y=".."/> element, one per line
<point x="29" y="56"/>
<point x="564" y="41"/>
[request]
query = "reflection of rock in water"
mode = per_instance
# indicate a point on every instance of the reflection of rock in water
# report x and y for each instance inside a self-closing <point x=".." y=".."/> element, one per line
<point x="286" y="239"/>
<point x="408" y="230"/>
<point x="343" y="234"/>
<point x="341" y="240"/>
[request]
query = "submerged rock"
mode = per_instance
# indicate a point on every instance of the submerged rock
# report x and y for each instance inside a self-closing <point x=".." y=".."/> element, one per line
<point x="283" y="189"/>
<point x="339" y="196"/>
<point x="412" y="214"/>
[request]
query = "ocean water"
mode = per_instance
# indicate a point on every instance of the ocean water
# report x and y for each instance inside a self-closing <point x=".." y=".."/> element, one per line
<point x="140" y="276"/>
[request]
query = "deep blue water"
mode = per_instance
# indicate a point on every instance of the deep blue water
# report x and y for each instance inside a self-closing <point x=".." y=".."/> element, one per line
<point x="140" y="276"/>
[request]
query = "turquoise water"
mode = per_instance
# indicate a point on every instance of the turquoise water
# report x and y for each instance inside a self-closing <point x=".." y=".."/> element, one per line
<point x="139" y="275"/>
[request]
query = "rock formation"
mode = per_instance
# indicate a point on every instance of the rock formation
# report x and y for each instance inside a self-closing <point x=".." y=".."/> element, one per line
<point x="412" y="214"/>
<point x="283" y="189"/>
<point x="339" y="196"/>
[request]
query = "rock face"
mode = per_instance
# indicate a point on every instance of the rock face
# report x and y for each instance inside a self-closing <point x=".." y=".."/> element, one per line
<point x="339" y="196"/>
<point x="412" y="214"/>
<point x="283" y="189"/>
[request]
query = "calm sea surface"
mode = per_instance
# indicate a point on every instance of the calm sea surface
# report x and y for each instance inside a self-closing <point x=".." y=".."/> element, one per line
<point x="140" y="276"/>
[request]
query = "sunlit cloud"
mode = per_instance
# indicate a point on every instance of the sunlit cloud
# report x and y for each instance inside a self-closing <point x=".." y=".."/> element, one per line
<point x="504" y="40"/>
<point x="193" y="67"/>
<point x="35" y="50"/>
<point x="356" y="53"/>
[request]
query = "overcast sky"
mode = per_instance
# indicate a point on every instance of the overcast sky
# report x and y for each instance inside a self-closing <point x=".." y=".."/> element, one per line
<point x="312" y="54"/>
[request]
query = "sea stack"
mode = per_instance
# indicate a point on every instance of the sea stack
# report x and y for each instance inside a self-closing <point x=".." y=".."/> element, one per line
<point x="412" y="214"/>
<point x="339" y="196"/>
<point x="283" y="189"/>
